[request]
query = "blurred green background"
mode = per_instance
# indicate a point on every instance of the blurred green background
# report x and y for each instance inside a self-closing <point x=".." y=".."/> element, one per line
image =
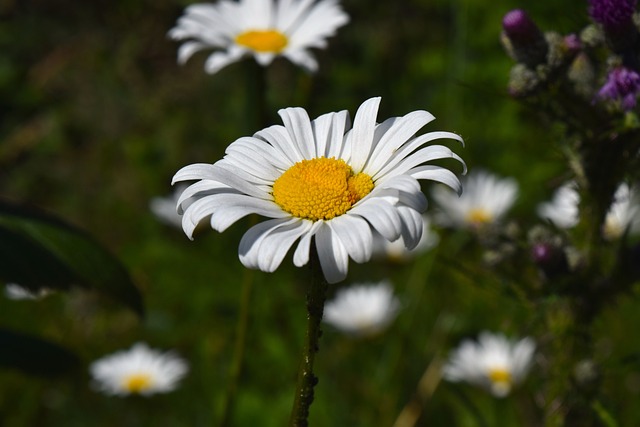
<point x="96" y="117"/>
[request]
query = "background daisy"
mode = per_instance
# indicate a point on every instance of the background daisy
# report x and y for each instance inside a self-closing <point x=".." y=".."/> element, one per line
<point x="263" y="29"/>
<point x="485" y="200"/>
<point x="362" y="309"/>
<point x="139" y="370"/>
<point x="494" y="362"/>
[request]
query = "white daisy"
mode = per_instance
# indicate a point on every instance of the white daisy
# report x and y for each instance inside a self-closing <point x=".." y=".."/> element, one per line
<point x="164" y="208"/>
<point x="485" y="200"/>
<point x="324" y="180"/>
<point x="139" y="370"/>
<point x="493" y="362"/>
<point x="397" y="250"/>
<point x="362" y="310"/>
<point x="562" y="210"/>
<point x="623" y="214"/>
<point x="262" y="28"/>
<point x="16" y="292"/>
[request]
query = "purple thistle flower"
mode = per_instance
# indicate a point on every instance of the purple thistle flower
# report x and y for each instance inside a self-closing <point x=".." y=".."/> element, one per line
<point x="622" y="84"/>
<point x="612" y="14"/>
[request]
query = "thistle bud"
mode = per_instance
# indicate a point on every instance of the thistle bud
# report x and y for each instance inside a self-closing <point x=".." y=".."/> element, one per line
<point x="522" y="39"/>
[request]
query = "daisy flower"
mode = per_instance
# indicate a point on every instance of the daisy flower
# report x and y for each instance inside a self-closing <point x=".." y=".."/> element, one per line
<point x="493" y="362"/>
<point x="363" y="309"/>
<point x="624" y="213"/>
<point x="16" y="292"/>
<point x="562" y="210"/>
<point x="139" y="370"/>
<point x="485" y="200"/>
<point x="164" y="208"/>
<point x="397" y="250"/>
<point x="321" y="179"/>
<point x="262" y="28"/>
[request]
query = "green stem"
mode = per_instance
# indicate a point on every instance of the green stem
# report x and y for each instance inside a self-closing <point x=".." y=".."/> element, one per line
<point x="239" y="348"/>
<point x="316" y="296"/>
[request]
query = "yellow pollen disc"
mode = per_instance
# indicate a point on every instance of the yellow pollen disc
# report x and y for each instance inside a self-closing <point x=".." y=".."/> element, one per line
<point x="263" y="40"/>
<point x="137" y="383"/>
<point x="320" y="188"/>
<point x="478" y="216"/>
<point x="500" y="376"/>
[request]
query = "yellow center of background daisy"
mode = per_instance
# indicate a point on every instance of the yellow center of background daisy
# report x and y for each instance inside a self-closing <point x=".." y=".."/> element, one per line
<point x="499" y="375"/>
<point x="137" y="383"/>
<point x="478" y="216"/>
<point x="263" y="40"/>
<point x="320" y="188"/>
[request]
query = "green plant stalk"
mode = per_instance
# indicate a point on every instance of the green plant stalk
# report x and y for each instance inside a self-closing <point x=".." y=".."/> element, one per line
<point x="316" y="296"/>
<point x="239" y="347"/>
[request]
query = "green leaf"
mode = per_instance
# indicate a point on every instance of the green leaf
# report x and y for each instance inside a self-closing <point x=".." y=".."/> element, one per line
<point x="38" y="250"/>
<point x="34" y="355"/>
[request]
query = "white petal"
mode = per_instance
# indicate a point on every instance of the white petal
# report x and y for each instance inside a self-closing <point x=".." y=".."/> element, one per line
<point x="296" y="121"/>
<point x="439" y="174"/>
<point x="272" y="246"/>
<point x="302" y="58"/>
<point x="361" y="136"/>
<point x="400" y="131"/>
<point x="218" y="60"/>
<point x="334" y="259"/>
<point x="412" y="226"/>
<point x="279" y="138"/>
<point x="382" y="216"/>
<point x="433" y="152"/>
<point x="250" y="243"/>
<point x="355" y="234"/>
<point x="186" y="50"/>
<point x="301" y="255"/>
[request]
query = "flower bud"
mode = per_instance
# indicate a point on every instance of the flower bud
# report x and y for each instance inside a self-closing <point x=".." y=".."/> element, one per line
<point x="522" y="39"/>
<point x="550" y="258"/>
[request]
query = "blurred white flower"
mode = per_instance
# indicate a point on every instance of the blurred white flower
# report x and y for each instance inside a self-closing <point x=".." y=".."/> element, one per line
<point x="562" y="210"/>
<point x="16" y="292"/>
<point x="624" y="213"/>
<point x="139" y="370"/>
<point x="485" y="200"/>
<point x="397" y="250"/>
<point x="164" y="208"/>
<point x="362" y="309"/>
<point x="262" y="28"/>
<point x="494" y="362"/>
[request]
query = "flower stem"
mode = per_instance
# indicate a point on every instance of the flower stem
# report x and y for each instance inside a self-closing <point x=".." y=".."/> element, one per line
<point x="316" y="296"/>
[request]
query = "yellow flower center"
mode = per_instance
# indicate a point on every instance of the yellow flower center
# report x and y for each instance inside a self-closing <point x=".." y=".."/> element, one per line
<point x="500" y="376"/>
<point x="137" y="383"/>
<point x="320" y="188"/>
<point x="478" y="216"/>
<point x="263" y="40"/>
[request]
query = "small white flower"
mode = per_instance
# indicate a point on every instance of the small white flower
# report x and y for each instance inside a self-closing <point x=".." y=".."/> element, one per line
<point x="262" y="28"/>
<point x="624" y="213"/>
<point x="494" y="362"/>
<point x="397" y="250"/>
<point x="164" y="208"/>
<point x="562" y="210"/>
<point x="139" y="370"/>
<point x="485" y="200"/>
<point x="16" y="292"/>
<point x="363" y="309"/>
<point x="324" y="180"/>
